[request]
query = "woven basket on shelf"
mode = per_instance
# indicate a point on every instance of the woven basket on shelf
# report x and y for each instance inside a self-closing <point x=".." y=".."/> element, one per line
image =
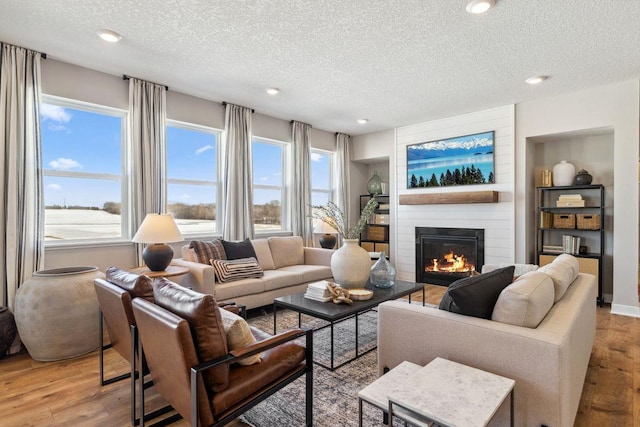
<point x="588" y="221"/>
<point x="564" y="221"/>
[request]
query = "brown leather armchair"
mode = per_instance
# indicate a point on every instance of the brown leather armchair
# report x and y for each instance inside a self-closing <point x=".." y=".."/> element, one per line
<point x="186" y="351"/>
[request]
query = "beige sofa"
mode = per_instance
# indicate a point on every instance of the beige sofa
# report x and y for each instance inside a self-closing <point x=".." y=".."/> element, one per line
<point x="548" y="362"/>
<point x="288" y="267"/>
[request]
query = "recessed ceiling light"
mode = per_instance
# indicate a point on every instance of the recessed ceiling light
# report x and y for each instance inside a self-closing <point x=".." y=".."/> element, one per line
<point x="535" y="80"/>
<point x="363" y="121"/>
<point x="109" y="36"/>
<point x="480" y="6"/>
<point x="273" y="90"/>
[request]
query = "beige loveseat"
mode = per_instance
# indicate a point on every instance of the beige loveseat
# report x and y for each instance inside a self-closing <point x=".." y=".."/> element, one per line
<point x="288" y="268"/>
<point x="548" y="362"/>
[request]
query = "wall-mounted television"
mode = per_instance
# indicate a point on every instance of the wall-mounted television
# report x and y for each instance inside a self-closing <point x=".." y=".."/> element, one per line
<point x="462" y="160"/>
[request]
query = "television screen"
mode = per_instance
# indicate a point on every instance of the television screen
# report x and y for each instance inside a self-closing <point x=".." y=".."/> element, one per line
<point x="463" y="160"/>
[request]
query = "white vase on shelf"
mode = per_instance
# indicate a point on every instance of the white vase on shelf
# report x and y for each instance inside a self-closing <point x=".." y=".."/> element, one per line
<point x="563" y="174"/>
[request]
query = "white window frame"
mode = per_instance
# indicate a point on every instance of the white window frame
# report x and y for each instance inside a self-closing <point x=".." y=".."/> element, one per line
<point x="123" y="177"/>
<point x="331" y="191"/>
<point x="284" y="205"/>
<point x="217" y="184"/>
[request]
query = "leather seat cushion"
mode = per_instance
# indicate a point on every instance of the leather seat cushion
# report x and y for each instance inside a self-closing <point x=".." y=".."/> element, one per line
<point x="137" y="286"/>
<point x="203" y="314"/>
<point x="245" y="381"/>
<point x="276" y="279"/>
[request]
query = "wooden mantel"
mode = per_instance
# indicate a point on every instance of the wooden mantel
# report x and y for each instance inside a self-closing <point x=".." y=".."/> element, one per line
<point x="449" y="198"/>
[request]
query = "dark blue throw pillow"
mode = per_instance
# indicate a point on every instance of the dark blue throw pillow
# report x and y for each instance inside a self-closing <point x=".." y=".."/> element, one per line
<point x="477" y="295"/>
<point x="237" y="250"/>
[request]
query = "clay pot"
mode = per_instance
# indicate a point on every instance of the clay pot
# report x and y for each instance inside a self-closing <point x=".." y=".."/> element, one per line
<point x="7" y="330"/>
<point x="351" y="265"/>
<point x="563" y="174"/>
<point x="56" y="312"/>
<point x="582" y="178"/>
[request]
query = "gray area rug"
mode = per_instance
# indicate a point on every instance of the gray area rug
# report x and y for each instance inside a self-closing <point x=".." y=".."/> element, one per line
<point x="335" y="394"/>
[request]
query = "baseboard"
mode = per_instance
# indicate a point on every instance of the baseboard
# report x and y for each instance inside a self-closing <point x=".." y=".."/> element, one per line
<point x="625" y="310"/>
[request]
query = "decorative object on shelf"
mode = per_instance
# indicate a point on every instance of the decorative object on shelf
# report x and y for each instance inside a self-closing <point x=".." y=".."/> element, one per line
<point x="462" y="160"/>
<point x="582" y="178"/>
<point x="328" y="239"/>
<point x="383" y="274"/>
<point x="339" y="294"/>
<point x="563" y="174"/>
<point x="547" y="178"/>
<point x="374" y="186"/>
<point x="7" y="330"/>
<point x="56" y="313"/>
<point x="351" y="264"/>
<point x="157" y="230"/>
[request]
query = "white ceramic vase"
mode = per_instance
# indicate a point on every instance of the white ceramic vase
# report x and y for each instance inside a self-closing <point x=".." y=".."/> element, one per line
<point x="351" y="265"/>
<point x="563" y="174"/>
<point x="56" y="312"/>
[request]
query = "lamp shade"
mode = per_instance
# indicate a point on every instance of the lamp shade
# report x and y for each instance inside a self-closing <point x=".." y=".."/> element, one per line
<point x="324" y="228"/>
<point x="158" y="228"/>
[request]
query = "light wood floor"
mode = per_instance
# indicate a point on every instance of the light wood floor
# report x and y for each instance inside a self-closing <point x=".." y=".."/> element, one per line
<point x="67" y="393"/>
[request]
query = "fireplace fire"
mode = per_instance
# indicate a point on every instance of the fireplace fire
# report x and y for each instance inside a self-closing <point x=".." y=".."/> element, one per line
<point x="444" y="255"/>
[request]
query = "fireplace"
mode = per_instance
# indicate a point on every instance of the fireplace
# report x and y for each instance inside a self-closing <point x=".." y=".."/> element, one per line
<point x="444" y="255"/>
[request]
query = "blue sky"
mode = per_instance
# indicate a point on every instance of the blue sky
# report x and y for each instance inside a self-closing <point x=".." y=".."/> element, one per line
<point x="81" y="141"/>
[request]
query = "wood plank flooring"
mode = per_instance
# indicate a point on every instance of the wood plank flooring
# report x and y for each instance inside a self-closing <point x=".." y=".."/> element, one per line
<point x="67" y="393"/>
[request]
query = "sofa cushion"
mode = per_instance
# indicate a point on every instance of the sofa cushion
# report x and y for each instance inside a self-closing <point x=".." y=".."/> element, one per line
<point x="205" y="321"/>
<point x="520" y="269"/>
<point x="238" y="335"/>
<point x="287" y="251"/>
<point x="477" y="295"/>
<point x="208" y="249"/>
<point x="230" y="290"/>
<point x="137" y="286"/>
<point x="526" y="301"/>
<point x="276" y="279"/>
<point x="310" y="273"/>
<point x="263" y="254"/>
<point x="236" y="269"/>
<point x="563" y="271"/>
<point x="237" y="250"/>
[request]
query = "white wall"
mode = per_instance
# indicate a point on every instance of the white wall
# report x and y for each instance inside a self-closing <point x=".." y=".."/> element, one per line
<point x="497" y="219"/>
<point x="83" y="84"/>
<point x="613" y="106"/>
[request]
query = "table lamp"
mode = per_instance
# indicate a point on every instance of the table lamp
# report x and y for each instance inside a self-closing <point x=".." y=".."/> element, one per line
<point x="328" y="238"/>
<point x="157" y="230"/>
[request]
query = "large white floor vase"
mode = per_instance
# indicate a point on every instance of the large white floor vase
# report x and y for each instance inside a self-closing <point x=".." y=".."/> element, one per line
<point x="56" y="312"/>
<point x="351" y="265"/>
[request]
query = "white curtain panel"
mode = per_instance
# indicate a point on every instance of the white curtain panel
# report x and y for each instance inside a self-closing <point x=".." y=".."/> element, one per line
<point x="342" y="173"/>
<point x="21" y="212"/>
<point x="301" y="222"/>
<point x="237" y="187"/>
<point x="147" y="121"/>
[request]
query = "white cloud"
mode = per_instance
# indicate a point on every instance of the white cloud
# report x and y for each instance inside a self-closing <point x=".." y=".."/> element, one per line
<point x="264" y="178"/>
<point x="64" y="164"/>
<point x="55" y="113"/>
<point x="55" y="187"/>
<point x="185" y="196"/>
<point x="203" y="149"/>
<point x="315" y="157"/>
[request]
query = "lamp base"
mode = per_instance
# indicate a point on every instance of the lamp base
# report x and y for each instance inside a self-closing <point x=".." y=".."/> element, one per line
<point x="157" y="256"/>
<point x="328" y="241"/>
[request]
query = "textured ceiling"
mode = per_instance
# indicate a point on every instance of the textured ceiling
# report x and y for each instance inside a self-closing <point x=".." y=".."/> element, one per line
<point x="393" y="62"/>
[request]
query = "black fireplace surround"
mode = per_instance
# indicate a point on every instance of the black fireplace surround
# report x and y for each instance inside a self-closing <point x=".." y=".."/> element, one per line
<point x="444" y="255"/>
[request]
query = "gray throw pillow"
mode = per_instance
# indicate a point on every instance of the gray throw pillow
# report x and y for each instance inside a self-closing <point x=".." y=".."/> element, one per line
<point x="477" y="295"/>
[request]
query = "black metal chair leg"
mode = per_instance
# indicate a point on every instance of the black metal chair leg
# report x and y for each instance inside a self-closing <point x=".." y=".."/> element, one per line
<point x="309" y="379"/>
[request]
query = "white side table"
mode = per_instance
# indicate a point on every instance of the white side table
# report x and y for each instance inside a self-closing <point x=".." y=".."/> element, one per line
<point x="451" y="394"/>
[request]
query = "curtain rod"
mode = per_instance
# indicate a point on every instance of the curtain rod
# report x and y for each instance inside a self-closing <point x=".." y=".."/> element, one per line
<point x="224" y="104"/>
<point x="338" y="133"/>
<point x="42" y="54"/>
<point x="291" y="122"/>
<point x="125" y="77"/>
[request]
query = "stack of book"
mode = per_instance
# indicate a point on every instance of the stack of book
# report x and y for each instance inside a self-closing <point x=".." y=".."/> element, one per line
<point x="570" y="201"/>
<point x="553" y="249"/>
<point x="570" y="244"/>
<point x="546" y="220"/>
<point x="318" y="291"/>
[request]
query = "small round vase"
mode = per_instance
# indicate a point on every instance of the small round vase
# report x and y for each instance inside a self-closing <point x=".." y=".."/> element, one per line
<point x="563" y="174"/>
<point x="374" y="186"/>
<point x="383" y="274"/>
<point x="56" y="312"/>
<point x="583" y="178"/>
<point x="351" y="265"/>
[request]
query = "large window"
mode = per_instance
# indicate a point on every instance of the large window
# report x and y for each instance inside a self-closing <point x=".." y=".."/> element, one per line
<point x="192" y="177"/>
<point x="82" y="162"/>
<point x="321" y="170"/>
<point x="268" y="184"/>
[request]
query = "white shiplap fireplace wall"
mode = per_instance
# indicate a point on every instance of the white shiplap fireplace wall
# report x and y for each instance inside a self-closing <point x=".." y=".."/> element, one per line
<point x="497" y="219"/>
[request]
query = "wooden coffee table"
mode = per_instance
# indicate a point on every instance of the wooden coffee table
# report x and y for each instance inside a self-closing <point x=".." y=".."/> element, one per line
<point x="334" y="313"/>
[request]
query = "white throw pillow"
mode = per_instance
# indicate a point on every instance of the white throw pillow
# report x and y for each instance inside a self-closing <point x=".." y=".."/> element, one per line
<point x="563" y="271"/>
<point x="526" y="301"/>
<point x="238" y="335"/>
